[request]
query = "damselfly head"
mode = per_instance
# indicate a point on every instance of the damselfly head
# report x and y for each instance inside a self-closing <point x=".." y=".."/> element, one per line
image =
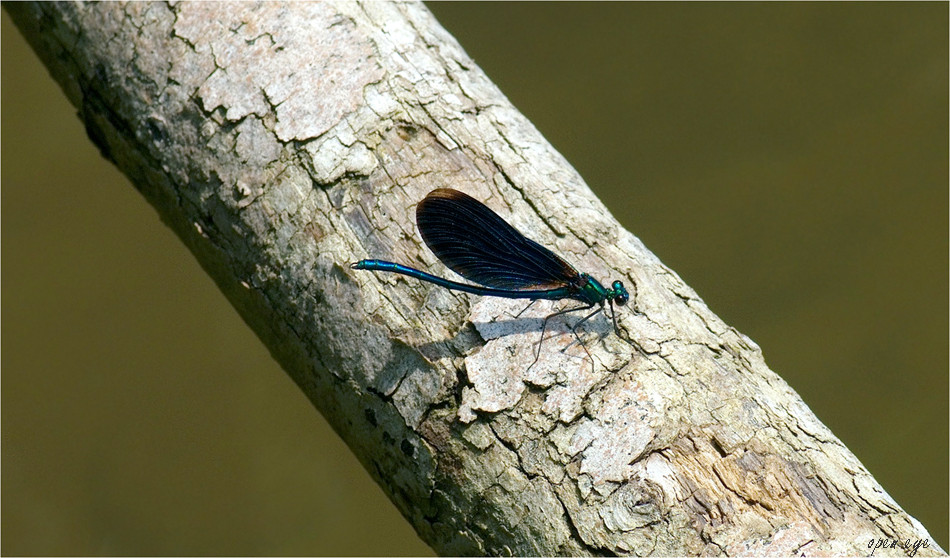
<point x="620" y="294"/>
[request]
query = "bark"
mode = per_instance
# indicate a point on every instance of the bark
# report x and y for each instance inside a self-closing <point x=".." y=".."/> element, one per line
<point x="281" y="142"/>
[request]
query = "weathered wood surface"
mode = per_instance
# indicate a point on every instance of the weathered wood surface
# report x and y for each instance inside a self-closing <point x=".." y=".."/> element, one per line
<point x="282" y="141"/>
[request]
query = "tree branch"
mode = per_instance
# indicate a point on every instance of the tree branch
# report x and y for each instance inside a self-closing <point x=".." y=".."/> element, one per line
<point x="281" y="142"/>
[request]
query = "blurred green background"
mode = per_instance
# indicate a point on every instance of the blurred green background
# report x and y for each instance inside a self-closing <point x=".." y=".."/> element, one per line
<point x="789" y="161"/>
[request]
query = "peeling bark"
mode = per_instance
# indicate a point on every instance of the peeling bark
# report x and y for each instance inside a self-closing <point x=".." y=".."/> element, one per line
<point x="283" y="141"/>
